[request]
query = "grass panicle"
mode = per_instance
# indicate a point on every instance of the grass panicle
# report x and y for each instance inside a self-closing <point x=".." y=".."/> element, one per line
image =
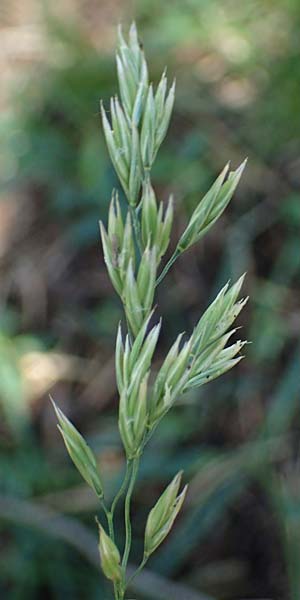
<point x="133" y="248"/>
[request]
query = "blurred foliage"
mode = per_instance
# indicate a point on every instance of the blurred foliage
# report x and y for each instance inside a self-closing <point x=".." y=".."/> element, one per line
<point x="238" y="85"/>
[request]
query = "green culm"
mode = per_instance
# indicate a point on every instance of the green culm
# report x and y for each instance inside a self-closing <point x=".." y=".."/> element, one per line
<point x="133" y="249"/>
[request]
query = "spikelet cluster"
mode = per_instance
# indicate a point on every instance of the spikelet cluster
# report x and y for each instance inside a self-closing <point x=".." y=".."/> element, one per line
<point x="135" y="240"/>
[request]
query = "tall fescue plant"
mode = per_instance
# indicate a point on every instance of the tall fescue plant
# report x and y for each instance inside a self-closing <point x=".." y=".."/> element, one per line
<point x="133" y="249"/>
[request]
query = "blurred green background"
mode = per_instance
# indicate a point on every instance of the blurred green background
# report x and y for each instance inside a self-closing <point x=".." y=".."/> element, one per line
<point x="237" y="66"/>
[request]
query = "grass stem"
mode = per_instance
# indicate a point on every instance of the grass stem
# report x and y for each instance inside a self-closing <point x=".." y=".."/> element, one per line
<point x="134" y="472"/>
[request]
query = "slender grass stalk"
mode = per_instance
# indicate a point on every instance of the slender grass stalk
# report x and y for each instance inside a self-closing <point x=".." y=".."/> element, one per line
<point x="120" y="492"/>
<point x="168" y="266"/>
<point x="133" y="250"/>
<point x="134" y="472"/>
<point x="137" y="571"/>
